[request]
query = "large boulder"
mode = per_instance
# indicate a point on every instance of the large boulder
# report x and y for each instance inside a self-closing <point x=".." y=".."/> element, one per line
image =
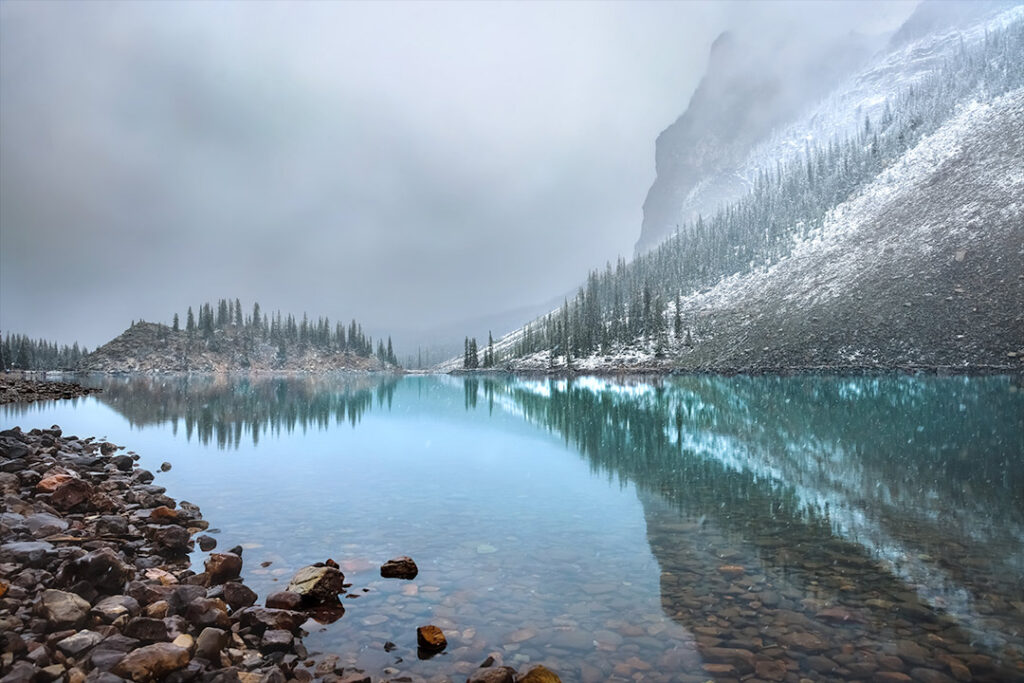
<point x="318" y="585"/>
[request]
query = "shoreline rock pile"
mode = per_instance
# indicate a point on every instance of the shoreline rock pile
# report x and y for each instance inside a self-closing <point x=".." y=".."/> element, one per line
<point x="95" y="583"/>
<point x="21" y="390"/>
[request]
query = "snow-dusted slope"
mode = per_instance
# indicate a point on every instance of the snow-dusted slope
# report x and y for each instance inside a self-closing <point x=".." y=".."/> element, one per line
<point x="839" y="112"/>
<point x="924" y="266"/>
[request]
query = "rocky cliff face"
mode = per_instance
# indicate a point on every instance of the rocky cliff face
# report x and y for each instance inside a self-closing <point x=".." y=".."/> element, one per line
<point x="749" y="90"/>
<point x="760" y="103"/>
<point x="149" y="347"/>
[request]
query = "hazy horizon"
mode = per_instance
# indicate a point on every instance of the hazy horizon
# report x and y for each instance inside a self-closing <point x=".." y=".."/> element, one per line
<point x="408" y="165"/>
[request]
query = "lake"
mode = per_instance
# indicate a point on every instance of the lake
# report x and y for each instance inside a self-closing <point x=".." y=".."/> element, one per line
<point x="677" y="529"/>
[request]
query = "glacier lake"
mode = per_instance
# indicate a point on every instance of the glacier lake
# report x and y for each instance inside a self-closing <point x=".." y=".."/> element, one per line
<point x="634" y="529"/>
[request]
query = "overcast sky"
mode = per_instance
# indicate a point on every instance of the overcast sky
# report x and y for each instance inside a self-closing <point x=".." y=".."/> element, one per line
<point x="405" y="164"/>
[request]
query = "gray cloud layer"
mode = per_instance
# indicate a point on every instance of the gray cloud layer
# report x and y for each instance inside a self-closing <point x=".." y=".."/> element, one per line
<point x="404" y="163"/>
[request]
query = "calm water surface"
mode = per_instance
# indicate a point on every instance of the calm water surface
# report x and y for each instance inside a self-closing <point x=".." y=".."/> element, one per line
<point x="685" y="529"/>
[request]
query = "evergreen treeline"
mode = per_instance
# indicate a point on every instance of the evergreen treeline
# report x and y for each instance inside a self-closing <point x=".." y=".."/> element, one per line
<point x="471" y="355"/>
<point x="286" y="332"/>
<point x="18" y="352"/>
<point x="639" y="301"/>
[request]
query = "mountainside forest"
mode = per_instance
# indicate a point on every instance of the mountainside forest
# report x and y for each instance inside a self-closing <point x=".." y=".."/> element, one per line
<point x="899" y="245"/>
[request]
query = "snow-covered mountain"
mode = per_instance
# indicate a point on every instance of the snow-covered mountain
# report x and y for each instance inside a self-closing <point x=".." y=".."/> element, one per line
<point x="882" y="227"/>
<point x="759" y="105"/>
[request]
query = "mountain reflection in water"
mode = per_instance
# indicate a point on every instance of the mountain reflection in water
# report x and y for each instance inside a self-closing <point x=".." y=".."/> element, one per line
<point x="822" y="527"/>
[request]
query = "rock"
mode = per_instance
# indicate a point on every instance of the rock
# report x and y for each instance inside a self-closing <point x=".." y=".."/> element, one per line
<point x="925" y="675"/>
<point x="284" y="600"/>
<point x="43" y="524"/>
<point x="210" y="642"/>
<point x="112" y="525"/>
<point x="204" y="612"/>
<point x="180" y="596"/>
<point x="318" y="584"/>
<point x="123" y="462"/>
<point x="206" y="543"/>
<point x="52" y="482"/>
<point x="890" y="677"/>
<point x="113" y="607"/>
<point x="101" y="568"/>
<point x="62" y="610"/>
<point x="28" y="553"/>
<point x="804" y="642"/>
<point x="263" y="618"/>
<point x="147" y="629"/>
<point x="70" y="494"/>
<point x="21" y="672"/>
<point x="743" y="660"/>
<point x="770" y="670"/>
<point x="163" y="515"/>
<point x="839" y="615"/>
<point x="399" y="568"/>
<point x="186" y="641"/>
<point x="223" y="567"/>
<point x="499" y="674"/>
<point x="276" y="640"/>
<point x="238" y="595"/>
<point x="540" y="674"/>
<point x="165" y="467"/>
<point x="75" y="645"/>
<point x="152" y="662"/>
<point x="171" y="540"/>
<point x="430" y="638"/>
<point x="731" y="570"/>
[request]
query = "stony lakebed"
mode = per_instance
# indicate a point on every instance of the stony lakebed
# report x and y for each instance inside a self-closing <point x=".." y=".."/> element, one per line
<point x="97" y="584"/>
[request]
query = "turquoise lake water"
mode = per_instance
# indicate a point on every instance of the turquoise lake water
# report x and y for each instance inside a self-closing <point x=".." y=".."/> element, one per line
<point x="680" y="529"/>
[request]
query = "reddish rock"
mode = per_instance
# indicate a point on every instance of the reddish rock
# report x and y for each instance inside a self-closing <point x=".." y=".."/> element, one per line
<point x="52" y="482"/>
<point x="163" y="515"/>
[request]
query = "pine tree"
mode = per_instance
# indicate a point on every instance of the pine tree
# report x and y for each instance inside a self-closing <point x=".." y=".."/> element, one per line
<point x="190" y="322"/>
<point x="174" y="324"/>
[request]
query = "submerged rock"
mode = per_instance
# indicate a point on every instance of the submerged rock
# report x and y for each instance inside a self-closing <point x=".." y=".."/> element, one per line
<point x="540" y="674"/>
<point x="430" y="638"/>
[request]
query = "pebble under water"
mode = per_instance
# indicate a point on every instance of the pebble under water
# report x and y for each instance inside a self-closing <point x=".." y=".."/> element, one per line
<point x="684" y="529"/>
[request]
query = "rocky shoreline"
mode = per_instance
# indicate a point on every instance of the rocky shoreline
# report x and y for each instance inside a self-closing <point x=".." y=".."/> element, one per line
<point x="96" y="583"/>
<point x="22" y="390"/>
